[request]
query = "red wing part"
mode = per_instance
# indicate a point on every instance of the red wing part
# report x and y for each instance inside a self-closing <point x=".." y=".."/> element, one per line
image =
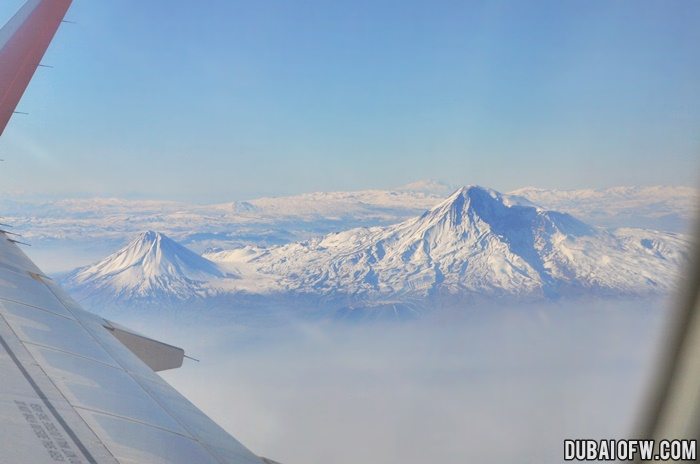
<point x="23" y="42"/>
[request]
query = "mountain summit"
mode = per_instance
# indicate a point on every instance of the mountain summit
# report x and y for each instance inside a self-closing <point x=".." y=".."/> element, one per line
<point x="151" y="266"/>
<point x="468" y="210"/>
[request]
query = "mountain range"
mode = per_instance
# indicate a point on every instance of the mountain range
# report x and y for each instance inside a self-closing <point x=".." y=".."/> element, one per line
<point x="68" y="233"/>
<point x="477" y="243"/>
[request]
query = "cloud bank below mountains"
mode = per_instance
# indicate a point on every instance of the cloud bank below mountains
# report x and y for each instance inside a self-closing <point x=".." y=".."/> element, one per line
<point x="493" y="385"/>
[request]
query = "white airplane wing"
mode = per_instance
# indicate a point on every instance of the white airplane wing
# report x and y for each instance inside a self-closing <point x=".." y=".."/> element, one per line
<point x="75" y="388"/>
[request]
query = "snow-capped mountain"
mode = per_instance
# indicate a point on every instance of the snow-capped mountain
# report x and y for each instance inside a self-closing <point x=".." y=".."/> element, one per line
<point x="477" y="242"/>
<point x="81" y="231"/>
<point x="150" y="267"/>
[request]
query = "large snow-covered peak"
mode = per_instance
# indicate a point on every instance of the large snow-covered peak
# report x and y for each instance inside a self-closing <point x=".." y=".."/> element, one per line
<point x="461" y="202"/>
<point x="473" y="210"/>
<point x="479" y="200"/>
<point x="478" y="241"/>
<point x="152" y="265"/>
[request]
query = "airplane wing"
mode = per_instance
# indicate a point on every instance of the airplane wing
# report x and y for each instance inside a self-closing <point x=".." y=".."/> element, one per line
<point x="72" y="391"/>
<point x="76" y="388"/>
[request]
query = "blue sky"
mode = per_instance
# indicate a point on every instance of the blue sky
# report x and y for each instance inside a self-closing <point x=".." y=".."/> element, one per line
<point x="227" y="99"/>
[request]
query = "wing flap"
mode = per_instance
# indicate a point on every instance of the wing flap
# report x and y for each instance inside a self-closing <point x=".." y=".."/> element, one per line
<point x="157" y="355"/>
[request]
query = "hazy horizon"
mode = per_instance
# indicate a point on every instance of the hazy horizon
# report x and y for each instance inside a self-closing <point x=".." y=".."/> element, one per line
<point x="206" y="200"/>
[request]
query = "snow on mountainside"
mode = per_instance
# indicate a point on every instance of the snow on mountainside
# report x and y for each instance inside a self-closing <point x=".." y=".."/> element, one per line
<point x="477" y="242"/>
<point x="151" y="267"/>
<point x="668" y="208"/>
<point x="70" y="233"/>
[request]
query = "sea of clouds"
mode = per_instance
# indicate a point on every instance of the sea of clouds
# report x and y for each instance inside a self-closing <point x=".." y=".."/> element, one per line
<point x="490" y="384"/>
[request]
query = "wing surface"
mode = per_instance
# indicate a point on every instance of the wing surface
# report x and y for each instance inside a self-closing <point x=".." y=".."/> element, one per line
<point x="73" y="392"/>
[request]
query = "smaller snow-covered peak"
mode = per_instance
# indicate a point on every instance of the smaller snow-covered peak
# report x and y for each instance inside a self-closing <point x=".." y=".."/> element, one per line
<point x="151" y="264"/>
<point x="158" y="254"/>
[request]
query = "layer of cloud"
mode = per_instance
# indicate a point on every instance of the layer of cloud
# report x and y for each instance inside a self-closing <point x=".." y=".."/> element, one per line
<point x="496" y="385"/>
